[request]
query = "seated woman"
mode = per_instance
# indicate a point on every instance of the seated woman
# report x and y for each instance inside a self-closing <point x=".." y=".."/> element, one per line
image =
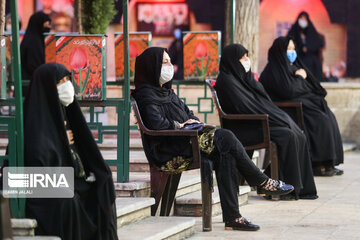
<point x="286" y="79"/>
<point x="161" y="109"/>
<point x="56" y="135"/>
<point x="240" y="93"/>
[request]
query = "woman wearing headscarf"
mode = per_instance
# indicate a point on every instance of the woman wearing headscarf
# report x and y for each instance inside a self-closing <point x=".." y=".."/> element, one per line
<point x="309" y="43"/>
<point x="240" y="93"/>
<point x="32" y="47"/>
<point x="286" y="78"/>
<point x="161" y="109"/>
<point x="56" y="135"/>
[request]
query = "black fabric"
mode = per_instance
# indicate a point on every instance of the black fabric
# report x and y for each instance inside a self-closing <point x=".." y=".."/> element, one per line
<point x="313" y="42"/>
<point x="239" y="92"/>
<point x="160" y="107"/>
<point x="32" y="47"/>
<point x="282" y="84"/>
<point x="90" y="214"/>
<point x="176" y="54"/>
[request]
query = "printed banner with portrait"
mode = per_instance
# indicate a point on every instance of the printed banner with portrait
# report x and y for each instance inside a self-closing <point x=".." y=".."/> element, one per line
<point x="162" y="18"/>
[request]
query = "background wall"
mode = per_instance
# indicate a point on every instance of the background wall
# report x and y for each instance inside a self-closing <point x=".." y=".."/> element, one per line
<point x="276" y="16"/>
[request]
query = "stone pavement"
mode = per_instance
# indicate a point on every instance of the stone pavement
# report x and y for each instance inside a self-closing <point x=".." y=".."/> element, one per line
<point x="335" y="215"/>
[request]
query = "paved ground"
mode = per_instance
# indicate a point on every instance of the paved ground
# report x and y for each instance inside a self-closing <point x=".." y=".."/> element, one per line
<point x="334" y="215"/>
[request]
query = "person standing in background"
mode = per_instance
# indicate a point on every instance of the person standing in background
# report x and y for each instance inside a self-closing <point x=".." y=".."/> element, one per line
<point x="309" y="44"/>
<point x="32" y="48"/>
<point x="176" y="54"/>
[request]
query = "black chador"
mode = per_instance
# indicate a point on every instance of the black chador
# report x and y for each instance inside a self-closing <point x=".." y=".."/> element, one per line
<point x="90" y="214"/>
<point x="282" y="84"/>
<point x="239" y="92"/>
<point x="32" y="47"/>
<point x="309" y="43"/>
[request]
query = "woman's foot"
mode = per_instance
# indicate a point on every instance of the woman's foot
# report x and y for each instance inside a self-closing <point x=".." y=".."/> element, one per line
<point x="274" y="187"/>
<point x="322" y="171"/>
<point x="338" y="171"/>
<point x="241" y="224"/>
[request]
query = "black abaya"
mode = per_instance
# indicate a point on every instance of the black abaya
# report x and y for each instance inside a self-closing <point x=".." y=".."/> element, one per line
<point x="313" y="43"/>
<point x="32" y="48"/>
<point x="90" y="214"/>
<point x="238" y="92"/>
<point x="282" y="84"/>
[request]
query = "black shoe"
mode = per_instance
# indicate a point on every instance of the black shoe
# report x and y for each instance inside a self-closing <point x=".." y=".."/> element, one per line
<point x="241" y="224"/>
<point x="323" y="172"/>
<point x="274" y="187"/>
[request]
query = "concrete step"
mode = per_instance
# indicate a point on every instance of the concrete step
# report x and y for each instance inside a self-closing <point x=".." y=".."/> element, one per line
<point x="191" y="204"/>
<point x="130" y="210"/>
<point x="158" y="228"/>
<point x="23" y="226"/>
<point x="139" y="184"/>
<point x="137" y="162"/>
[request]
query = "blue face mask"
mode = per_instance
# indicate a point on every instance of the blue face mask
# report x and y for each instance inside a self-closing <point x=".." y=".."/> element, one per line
<point x="177" y="34"/>
<point x="292" y="55"/>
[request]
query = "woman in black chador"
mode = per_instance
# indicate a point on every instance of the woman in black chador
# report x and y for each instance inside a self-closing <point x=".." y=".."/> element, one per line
<point x="56" y="135"/>
<point x="309" y="43"/>
<point x="32" y="48"/>
<point x="240" y="93"/>
<point x="285" y="78"/>
<point x="161" y="109"/>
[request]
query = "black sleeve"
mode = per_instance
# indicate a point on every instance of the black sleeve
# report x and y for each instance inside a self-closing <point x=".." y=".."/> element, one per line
<point x="153" y="119"/>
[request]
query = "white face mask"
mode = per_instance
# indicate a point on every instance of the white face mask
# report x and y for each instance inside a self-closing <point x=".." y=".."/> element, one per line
<point x="246" y="64"/>
<point x="167" y="73"/>
<point x="303" y="23"/>
<point x="66" y="93"/>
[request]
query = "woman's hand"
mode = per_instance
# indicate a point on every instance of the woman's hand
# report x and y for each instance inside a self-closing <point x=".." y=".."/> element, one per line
<point x="301" y="72"/>
<point x="190" y="121"/>
<point x="70" y="136"/>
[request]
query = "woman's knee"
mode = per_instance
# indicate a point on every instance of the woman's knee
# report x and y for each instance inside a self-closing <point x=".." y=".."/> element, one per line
<point x="225" y="140"/>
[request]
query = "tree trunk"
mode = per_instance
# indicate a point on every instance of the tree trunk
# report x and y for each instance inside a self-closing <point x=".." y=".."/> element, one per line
<point x="247" y="28"/>
<point x="227" y="34"/>
<point x="2" y="16"/>
<point x="79" y="16"/>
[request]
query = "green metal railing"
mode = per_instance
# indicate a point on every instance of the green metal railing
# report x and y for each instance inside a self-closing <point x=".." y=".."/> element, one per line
<point x="122" y="161"/>
<point x="198" y="104"/>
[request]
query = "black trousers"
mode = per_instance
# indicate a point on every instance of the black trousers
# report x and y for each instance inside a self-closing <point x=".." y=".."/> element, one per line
<point x="230" y="158"/>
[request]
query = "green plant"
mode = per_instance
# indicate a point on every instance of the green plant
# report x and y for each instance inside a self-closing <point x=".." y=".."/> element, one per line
<point x="95" y="14"/>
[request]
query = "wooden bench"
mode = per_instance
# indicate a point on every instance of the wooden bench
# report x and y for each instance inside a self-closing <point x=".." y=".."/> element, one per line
<point x="252" y="130"/>
<point x="164" y="185"/>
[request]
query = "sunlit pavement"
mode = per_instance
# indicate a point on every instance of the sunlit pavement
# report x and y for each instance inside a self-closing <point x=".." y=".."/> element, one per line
<point x="334" y="215"/>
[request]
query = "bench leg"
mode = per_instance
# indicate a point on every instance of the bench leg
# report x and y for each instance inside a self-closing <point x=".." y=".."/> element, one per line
<point x="169" y="194"/>
<point x="158" y="182"/>
<point x="206" y="198"/>
<point x="5" y="221"/>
